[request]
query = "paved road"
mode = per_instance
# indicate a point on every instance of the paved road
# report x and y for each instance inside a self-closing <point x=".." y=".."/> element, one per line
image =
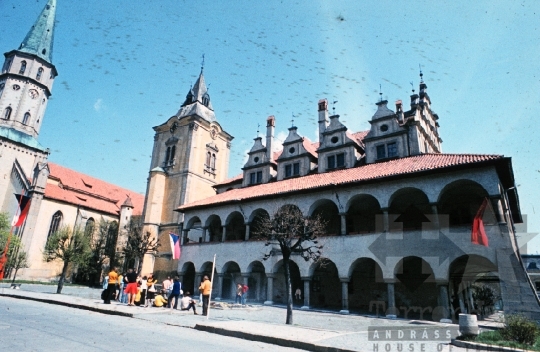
<point x="33" y="326"/>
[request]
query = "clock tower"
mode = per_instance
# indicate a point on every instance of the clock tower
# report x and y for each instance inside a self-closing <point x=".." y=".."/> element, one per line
<point x="27" y="77"/>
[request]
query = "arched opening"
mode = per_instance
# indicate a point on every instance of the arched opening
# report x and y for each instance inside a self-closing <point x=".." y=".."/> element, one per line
<point x="214" y="228"/>
<point x="26" y="118"/>
<point x="366" y="285"/>
<point x="7" y="113"/>
<point x="280" y="288"/>
<point x="257" y="282"/>
<point x="2" y="86"/>
<point x="415" y="290"/>
<point x="325" y="286"/>
<point x="208" y="158"/>
<point x="110" y="243"/>
<point x="236" y="228"/>
<point x="39" y="73"/>
<point x="23" y="68"/>
<point x="257" y="218"/>
<point x="364" y="215"/>
<point x="408" y="210"/>
<point x="206" y="269"/>
<point x="460" y="201"/>
<point x="188" y="278"/>
<point x="231" y="277"/>
<point x="89" y="227"/>
<point x="56" y="221"/>
<point x="474" y="285"/>
<point x="328" y="212"/>
<point x="213" y="165"/>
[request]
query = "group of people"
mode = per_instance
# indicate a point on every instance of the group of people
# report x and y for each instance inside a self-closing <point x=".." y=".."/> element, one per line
<point x="241" y="294"/>
<point x="134" y="290"/>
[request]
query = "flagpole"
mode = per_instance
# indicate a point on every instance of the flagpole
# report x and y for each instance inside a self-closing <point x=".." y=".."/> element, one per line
<point x="211" y="286"/>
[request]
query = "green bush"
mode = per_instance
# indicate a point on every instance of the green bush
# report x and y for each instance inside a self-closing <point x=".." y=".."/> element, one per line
<point x="519" y="328"/>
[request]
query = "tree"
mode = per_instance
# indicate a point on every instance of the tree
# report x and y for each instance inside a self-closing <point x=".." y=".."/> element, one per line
<point x="138" y="243"/>
<point x="70" y="246"/>
<point x="14" y="242"/>
<point x="18" y="261"/>
<point x="102" y="248"/>
<point x="294" y="233"/>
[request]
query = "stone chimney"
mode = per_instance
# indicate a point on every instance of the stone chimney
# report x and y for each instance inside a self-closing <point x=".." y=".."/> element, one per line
<point x="270" y="125"/>
<point x="323" y="118"/>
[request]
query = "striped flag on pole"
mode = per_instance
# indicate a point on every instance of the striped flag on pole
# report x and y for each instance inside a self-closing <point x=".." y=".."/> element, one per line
<point x="22" y="210"/>
<point x="175" y="246"/>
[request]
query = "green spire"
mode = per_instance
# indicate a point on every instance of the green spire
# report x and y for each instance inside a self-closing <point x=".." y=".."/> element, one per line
<point x="39" y="40"/>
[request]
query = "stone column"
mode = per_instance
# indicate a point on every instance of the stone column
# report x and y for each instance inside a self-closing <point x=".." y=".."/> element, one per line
<point x="204" y="229"/>
<point x="386" y="222"/>
<point x="343" y="223"/>
<point x="184" y="238"/>
<point x="434" y="210"/>
<point x="307" y="281"/>
<point x="344" y="295"/>
<point x="246" y="238"/>
<point x="443" y="300"/>
<point x="391" y="300"/>
<point x="269" y="289"/>
<point x="224" y="233"/>
<point x="220" y="287"/>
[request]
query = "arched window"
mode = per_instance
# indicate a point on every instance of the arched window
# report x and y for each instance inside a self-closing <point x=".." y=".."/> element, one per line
<point x="213" y="161"/>
<point x="26" y="118"/>
<point x="56" y="221"/>
<point x="208" y="157"/>
<point x="7" y="114"/>
<point x="89" y="227"/>
<point x="205" y="99"/>
<point x="171" y="158"/>
<point x="167" y="155"/>
<point x="23" y="68"/>
<point x="2" y="85"/>
<point x="39" y="73"/>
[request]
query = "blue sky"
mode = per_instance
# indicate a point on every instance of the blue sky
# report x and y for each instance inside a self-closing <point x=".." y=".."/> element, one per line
<point x="125" y="67"/>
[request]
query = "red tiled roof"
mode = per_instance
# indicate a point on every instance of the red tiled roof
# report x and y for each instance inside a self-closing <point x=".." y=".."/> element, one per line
<point x="409" y="165"/>
<point x="87" y="191"/>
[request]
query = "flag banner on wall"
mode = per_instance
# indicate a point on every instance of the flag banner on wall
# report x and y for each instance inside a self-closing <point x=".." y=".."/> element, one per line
<point x="22" y="210"/>
<point x="175" y="246"/>
<point x="478" y="233"/>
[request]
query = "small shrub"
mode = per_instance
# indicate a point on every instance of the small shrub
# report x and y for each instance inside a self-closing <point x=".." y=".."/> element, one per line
<point x="519" y="328"/>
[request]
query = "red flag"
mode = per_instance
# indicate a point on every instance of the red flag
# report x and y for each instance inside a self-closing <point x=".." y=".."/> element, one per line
<point x="478" y="234"/>
<point x="22" y="211"/>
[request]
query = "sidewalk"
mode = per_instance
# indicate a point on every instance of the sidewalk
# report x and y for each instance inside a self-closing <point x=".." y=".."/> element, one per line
<point x="313" y="331"/>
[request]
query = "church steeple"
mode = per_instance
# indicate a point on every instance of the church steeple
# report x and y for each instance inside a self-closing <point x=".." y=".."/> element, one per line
<point x="198" y="101"/>
<point x="39" y="40"/>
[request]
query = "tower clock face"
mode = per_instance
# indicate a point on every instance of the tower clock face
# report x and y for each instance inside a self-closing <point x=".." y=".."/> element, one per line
<point x="33" y="93"/>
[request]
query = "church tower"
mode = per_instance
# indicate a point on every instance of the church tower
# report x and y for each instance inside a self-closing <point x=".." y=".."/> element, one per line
<point x="26" y="81"/>
<point x="27" y="77"/>
<point x="190" y="155"/>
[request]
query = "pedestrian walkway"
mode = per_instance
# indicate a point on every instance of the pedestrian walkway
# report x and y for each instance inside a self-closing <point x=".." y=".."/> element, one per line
<point x="314" y="331"/>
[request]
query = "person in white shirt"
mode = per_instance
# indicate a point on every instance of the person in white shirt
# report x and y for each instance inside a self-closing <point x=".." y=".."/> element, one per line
<point x="186" y="303"/>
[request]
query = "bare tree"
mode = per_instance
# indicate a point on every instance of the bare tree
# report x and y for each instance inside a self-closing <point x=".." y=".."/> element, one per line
<point x="70" y="246"/>
<point x="139" y="243"/>
<point x="294" y="233"/>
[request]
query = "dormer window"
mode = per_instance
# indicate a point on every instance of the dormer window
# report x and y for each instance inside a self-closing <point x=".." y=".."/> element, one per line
<point x="206" y="100"/>
<point x="336" y="161"/>
<point x="39" y="73"/>
<point x="388" y="150"/>
<point x="23" y="68"/>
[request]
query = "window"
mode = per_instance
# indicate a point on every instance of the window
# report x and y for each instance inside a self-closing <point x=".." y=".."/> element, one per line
<point x="292" y="170"/>
<point x="296" y="169"/>
<point x="340" y="160"/>
<point x="392" y="149"/>
<point x="89" y="227"/>
<point x="255" y="177"/>
<point x="56" y="221"/>
<point x="23" y="68"/>
<point x="206" y="99"/>
<point x="7" y="114"/>
<point x="39" y="73"/>
<point x="213" y="165"/>
<point x="331" y="162"/>
<point x="169" y="156"/>
<point x="381" y="151"/>
<point x="2" y="85"/>
<point x="208" y="158"/>
<point x="26" y="118"/>
<point x="288" y="170"/>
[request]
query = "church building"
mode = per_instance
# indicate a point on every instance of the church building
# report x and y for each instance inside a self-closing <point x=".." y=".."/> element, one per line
<point x="58" y="195"/>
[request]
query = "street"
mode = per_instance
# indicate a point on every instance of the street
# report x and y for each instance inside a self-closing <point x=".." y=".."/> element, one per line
<point x="33" y="326"/>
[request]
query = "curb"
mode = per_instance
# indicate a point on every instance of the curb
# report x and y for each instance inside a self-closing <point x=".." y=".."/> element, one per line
<point x="71" y="305"/>
<point x="484" y="347"/>
<point x="270" y="340"/>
